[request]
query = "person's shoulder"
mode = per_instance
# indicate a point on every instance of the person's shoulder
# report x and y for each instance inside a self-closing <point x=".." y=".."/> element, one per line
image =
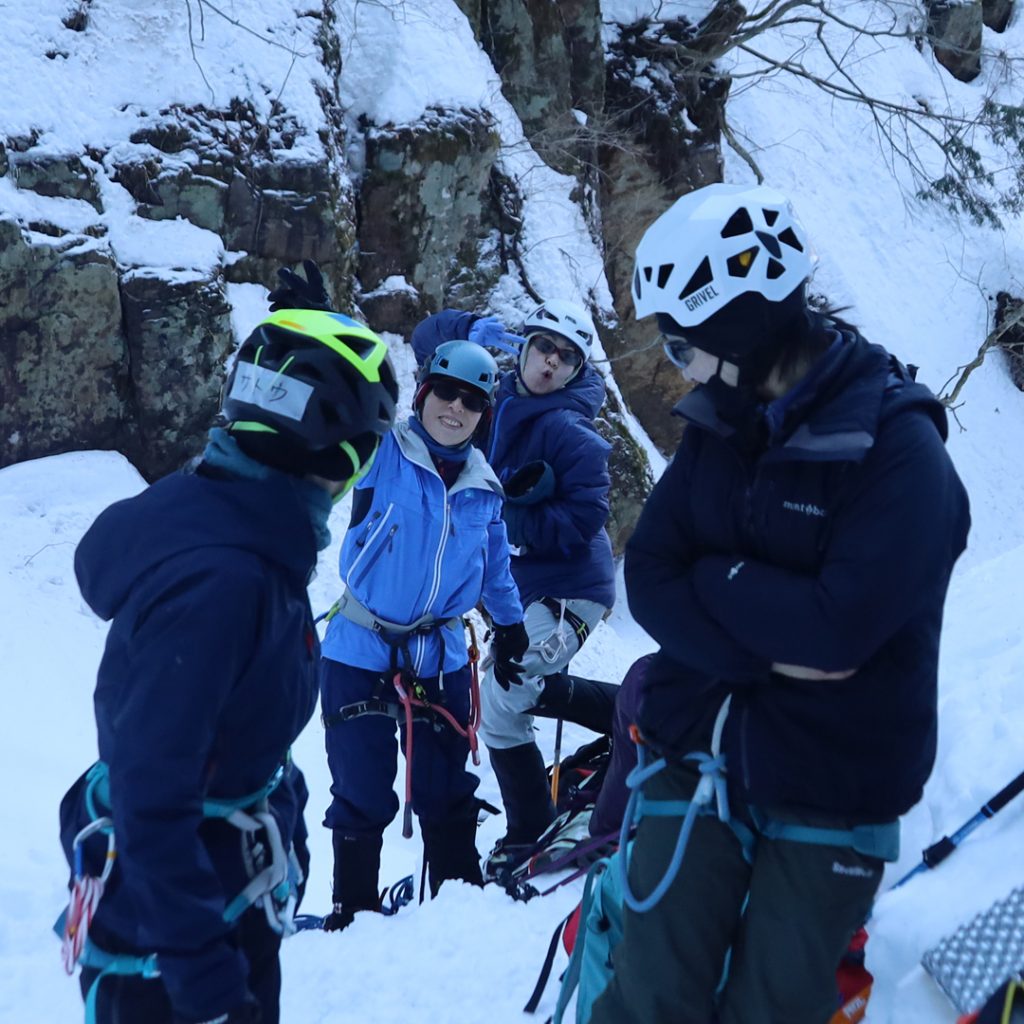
<point x="480" y="478"/>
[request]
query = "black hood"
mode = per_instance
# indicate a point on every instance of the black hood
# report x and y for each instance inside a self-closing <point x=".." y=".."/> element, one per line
<point x="181" y="513"/>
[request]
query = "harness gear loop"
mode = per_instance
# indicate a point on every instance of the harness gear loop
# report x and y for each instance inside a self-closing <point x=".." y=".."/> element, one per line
<point x="554" y="648"/>
<point x="274" y="878"/>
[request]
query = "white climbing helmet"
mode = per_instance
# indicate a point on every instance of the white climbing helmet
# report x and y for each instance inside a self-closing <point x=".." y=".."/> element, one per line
<point x="715" y="244"/>
<point x="565" y="319"/>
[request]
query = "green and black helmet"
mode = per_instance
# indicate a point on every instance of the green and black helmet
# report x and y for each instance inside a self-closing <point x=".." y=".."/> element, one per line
<point x="311" y="392"/>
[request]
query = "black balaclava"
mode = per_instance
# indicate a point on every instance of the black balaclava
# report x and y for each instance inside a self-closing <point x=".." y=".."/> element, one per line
<point x="751" y="332"/>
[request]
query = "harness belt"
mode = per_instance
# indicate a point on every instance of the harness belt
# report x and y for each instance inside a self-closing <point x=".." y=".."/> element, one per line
<point x="396" y="635"/>
<point x="274" y="876"/>
<point x="375" y="706"/>
<point x="350" y="608"/>
<point x="881" y="840"/>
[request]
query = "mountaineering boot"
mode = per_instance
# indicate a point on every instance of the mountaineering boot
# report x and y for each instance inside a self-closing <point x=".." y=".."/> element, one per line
<point x="356" y="871"/>
<point x="450" y="850"/>
<point x="523" y="781"/>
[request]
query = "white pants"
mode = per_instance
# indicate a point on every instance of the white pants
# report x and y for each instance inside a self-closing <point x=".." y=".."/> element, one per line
<point x="505" y="719"/>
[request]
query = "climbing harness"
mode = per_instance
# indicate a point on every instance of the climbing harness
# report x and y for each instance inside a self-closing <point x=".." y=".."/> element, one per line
<point x="274" y="876"/>
<point x="414" y="702"/>
<point x="556" y="647"/>
<point x="873" y="840"/>
<point x="418" y="699"/>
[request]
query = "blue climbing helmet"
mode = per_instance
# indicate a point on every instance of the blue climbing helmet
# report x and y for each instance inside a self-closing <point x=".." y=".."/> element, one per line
<point x="464" y="361"/>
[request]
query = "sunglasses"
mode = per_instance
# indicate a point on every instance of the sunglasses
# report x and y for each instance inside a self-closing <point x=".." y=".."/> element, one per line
<point x="678" y="351"/>
<point x="448" y="391"/>
<point x="544" y="344"/>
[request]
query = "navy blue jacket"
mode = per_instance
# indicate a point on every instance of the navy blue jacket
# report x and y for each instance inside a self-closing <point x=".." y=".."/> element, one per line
<point x="827" y="545"/>
<point x="564" y="550"/>
<point x="208" y="676"/>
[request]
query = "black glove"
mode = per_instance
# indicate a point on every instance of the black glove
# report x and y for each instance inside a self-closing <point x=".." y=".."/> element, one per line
<point x="294" y="293"/>
<point x="510" y="643"/>
<point x="530" y="483"/>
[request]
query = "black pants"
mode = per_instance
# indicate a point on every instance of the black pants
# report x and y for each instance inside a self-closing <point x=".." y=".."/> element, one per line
<point x="787" y="918"/>
<point x="130" y="999"/>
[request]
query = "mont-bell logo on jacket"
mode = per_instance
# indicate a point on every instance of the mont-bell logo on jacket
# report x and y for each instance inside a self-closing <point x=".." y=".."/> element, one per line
<point x="805" y="508"/>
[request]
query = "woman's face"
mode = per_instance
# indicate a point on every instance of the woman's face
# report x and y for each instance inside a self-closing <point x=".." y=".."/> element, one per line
<point x="547" y="371"/>
<point x="447" y="420"/>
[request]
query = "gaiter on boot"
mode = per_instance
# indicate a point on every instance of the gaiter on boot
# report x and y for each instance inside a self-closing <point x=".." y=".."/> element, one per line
<point x="356" y="872"/>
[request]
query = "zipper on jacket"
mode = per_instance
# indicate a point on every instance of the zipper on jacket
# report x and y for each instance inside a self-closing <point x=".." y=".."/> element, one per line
<point x="388" y="544"/>
<point x="368" y="529"/>
<point x="366" y="543"/>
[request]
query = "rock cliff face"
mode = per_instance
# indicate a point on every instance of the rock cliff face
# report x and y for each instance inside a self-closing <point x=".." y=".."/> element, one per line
<point x="103" y="350"/>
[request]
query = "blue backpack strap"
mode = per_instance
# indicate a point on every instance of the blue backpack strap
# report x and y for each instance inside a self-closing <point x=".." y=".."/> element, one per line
<point x="571" y="978"/>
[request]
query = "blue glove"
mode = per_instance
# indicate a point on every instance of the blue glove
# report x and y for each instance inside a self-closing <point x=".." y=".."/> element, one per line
<point x="490" y="332"/>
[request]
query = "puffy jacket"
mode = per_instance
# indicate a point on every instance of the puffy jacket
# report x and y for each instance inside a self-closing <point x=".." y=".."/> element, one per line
<point x="414" y="548"/>
<point x="208" y="676"/>
<point x="564" y="550"/>
<point x="828" y="545"/>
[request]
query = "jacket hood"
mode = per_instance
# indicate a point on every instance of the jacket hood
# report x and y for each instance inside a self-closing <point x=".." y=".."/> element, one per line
<point x="583" y="394"/>
<point x="476" y="472"/>
<point x="836" y="411"/>
<point x="185" y="512"/>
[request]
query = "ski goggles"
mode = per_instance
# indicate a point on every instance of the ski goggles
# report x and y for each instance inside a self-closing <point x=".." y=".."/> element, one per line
<point x="546" y="346"/>
<point x="448" y="391"/>
<point x="678" y="351"/>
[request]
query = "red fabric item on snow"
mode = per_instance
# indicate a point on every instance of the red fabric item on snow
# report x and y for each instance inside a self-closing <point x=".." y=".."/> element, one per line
<point x="572" y="927"/>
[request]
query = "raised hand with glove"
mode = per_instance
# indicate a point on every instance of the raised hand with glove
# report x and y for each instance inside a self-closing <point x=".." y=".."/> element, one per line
<point x="295" y="293"/>
<point x="509" y="645"/>
<point x="489" y="331"/>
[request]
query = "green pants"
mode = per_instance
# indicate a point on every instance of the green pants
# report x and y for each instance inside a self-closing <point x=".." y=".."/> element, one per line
<point x="776" y="929"/>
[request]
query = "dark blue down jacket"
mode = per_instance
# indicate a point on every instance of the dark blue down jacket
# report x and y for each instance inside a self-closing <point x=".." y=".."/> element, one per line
<point x="564" y="550"/>
<point x="208" y="676"/>
<point x="829" y="544"/>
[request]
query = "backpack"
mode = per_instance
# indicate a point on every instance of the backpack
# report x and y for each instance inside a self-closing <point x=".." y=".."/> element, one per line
<point x="590" y="934"/>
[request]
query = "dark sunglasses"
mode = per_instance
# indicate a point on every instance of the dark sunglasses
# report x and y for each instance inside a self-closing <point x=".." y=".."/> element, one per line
<point x="546" y="347"/>
<point x="678" y="351"/>
<point x="448" y="391"/>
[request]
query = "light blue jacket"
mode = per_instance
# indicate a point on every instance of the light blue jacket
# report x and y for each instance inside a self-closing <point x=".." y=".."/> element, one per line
<point x="414" y="549"/>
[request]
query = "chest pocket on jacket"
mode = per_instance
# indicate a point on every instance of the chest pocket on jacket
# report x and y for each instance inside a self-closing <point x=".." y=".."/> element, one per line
<point x="375" y="539"/>
<point x="798" y="510"/>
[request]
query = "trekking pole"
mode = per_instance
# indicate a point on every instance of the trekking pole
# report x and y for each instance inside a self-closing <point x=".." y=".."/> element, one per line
<point x="556" y="769"/>
<point x="938" y="852"/>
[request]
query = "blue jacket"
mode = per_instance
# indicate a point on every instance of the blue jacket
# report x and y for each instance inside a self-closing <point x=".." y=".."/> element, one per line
<point x="208" y="676"/>
<point x="830" y="545"/>
<point x="564" y="550"/>
<point x="414" y="548"/>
